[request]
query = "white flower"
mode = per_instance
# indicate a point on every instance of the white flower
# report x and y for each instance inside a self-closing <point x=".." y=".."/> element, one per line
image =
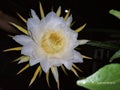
<point x="50" y="42"/>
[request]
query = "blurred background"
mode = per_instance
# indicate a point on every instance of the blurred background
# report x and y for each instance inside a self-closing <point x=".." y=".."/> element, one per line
<point x="101" y="26"/>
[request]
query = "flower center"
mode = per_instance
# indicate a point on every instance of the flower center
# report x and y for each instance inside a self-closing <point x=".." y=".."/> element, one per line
<point x="52" y="42"/>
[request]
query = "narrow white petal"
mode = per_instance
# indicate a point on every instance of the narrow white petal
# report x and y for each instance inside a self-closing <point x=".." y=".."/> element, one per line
<point x="34" y="15"/>
<point x="33" y="24"/>
<point x="82" y="42"/>
<point x="22" y="39"/>
<point x="55" y="73"/>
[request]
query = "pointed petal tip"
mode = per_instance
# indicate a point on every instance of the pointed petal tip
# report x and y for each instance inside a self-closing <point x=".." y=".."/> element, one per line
<point x="20" y="28"/>
<point x="13" y="49"/>
<point x="22" y="18"/>
<point x="82" y="42"/>
<point x="47" y="79"/>
<point x="80" y="28"/>
<point x="23" y="69"/>
<point x="86" y="57"/>
<point x="64" y="70"/>
<point x="35" y="75"/>
<point x="41" y="10"/>
<point x="75" y="72"/>
<point x="58" y="85"/>
<point x="58" y="11"/>
<point x="77" y="68"/>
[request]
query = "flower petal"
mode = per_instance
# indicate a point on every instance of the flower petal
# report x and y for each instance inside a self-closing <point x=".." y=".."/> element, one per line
<point x="77" y="57"/>
<point x="34" y="15"/>
<point x="45" y="65"/>
<point x="55" y="73"/>
<point x="27" y="49"/>
<point x="35" y="59"/>
<point x="22" y="39"/>
<point x="52" y="20"/>
<point x="68" y="65"/>
<point x="83" y="41"/>
<point x="33" y="24"/>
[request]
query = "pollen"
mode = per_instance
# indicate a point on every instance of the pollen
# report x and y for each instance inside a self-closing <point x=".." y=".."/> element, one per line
<point x="53" y="42"/>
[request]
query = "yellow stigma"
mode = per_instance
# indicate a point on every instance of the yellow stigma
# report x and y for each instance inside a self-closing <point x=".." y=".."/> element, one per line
<point x="53" y="42"/>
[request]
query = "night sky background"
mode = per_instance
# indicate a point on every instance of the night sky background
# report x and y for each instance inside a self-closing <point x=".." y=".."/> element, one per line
<point x="101" y="26"/>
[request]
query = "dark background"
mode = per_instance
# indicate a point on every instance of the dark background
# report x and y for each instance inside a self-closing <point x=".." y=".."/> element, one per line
<point x="101" y="26"/>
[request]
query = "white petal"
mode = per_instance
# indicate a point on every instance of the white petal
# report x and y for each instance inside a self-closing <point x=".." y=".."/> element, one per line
<point x="22" y="39"/>
<point x="27" y="49"/>
<point x="45" y="65"/>
<point x="55" y="62"/>
<point x="36" y="57"/>
<point x="82" y="42"/>
<point x="72" y="41"/>
<point x="68" y="65"/>
<point x="55" y="73"/>
<point x="34" y="15"/>
<point x="77" y="57"/>
<point x="33" y="61"/>
<point x="69" y="20"/>
<point x="52" y="20"/>
<point x="33" y="24"/>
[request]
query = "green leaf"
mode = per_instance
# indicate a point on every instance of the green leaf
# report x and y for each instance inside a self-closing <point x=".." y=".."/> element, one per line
<point x="115" y="56"/>
<point x="105" y="45"/>
<point x="106" y="78"/>
<point x="115" y="13"/>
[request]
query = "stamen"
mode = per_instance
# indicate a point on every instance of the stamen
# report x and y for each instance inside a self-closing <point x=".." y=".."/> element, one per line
<point x="52" y="42"/>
